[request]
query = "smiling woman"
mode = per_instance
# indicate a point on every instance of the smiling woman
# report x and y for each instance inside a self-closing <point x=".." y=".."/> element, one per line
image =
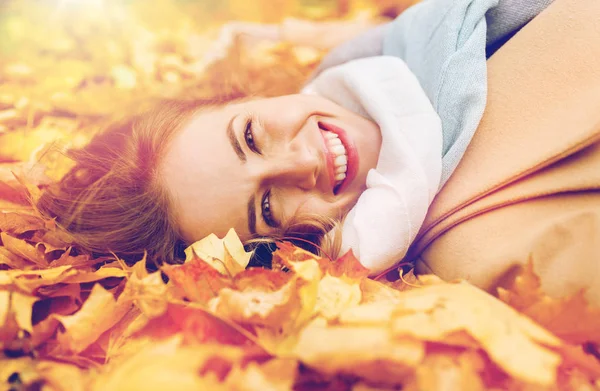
<point x="183" y="170"/>
<point x="256" y="165"/>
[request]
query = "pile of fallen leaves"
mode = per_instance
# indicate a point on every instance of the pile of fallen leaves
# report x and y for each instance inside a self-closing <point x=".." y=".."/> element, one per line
<point x="70" y="320"/>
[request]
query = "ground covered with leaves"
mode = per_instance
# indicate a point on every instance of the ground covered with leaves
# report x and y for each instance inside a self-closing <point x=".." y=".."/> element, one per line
<point x="73" y="321"/>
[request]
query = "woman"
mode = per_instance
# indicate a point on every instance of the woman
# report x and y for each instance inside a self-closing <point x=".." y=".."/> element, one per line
<point x="255" y="163"/>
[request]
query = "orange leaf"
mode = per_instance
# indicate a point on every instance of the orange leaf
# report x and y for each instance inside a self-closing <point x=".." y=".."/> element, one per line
<point x="570" y="318"/>
<point x="23" y="249"/>
<point x="196" y="280"/>
<point x="99" y="313"/>
<point x="347" y="265"/>
<point x="200" y="326"/>
<point x="17" y="223"/>
<point x="265" y="279"/>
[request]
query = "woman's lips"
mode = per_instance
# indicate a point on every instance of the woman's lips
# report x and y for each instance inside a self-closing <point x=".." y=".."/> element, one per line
<point x="351" y="153"/>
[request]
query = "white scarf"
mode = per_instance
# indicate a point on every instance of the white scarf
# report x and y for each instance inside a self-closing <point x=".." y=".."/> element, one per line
<point x="388" y="215"/>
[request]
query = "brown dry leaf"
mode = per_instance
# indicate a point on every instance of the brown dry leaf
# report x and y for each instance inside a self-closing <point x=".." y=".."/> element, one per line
<point x="90" y="275"/>
<point x="335" y="295"/>
<point x="556" y="314"/>
<point x="373" y="353"/>
<point x="258" y="307"/>
<point x="374" y="291"/>
<point x="13" y="261"/>
<point x="226" y="255"/>
<point x="432" y="313"/>
<point x="22" y="308"/>
<point x="347" y="266"/>
<point x="149" y="293"/>
<point x="195" y="325"/>
<point x="99" y="313"/>
<point x="196" y="280"/>
<point x="30" y="280"/>
<point x="162" y="366"/>
<point x="17" y="223"/>
<point x="24" y="250"/>
<point x="265" y="298"/>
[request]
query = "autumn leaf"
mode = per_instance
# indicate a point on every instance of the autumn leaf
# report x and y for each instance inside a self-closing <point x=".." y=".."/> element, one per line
<point x="431" y="313"/>
<point x="98" y="313"/>
<point x="347" y="265"/>
<point x="556" y="314"/>
<point x="196" y="280"/>
<point x="226" y="255"/>
<point x="370" y="352"/>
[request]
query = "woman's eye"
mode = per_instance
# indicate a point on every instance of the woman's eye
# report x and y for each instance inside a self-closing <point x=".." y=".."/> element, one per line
<point x="249" y="137"/>
<point x="267" y="213"/>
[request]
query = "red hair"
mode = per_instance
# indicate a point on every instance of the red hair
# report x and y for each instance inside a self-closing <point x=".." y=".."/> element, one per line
<point x="112" y="200"/>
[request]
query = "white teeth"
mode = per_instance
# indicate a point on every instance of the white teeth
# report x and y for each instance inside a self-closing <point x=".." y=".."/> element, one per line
<point x="338" y="149"/>
<point x="341" y="160"/>
<point x="334" y="142"/>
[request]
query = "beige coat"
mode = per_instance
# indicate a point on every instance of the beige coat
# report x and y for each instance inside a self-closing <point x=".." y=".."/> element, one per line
<point x="529" y="183"/>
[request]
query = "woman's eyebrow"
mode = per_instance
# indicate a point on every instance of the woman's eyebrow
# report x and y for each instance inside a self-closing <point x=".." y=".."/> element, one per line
<point x="252" y="215"/>
<point x="235" y="144"/>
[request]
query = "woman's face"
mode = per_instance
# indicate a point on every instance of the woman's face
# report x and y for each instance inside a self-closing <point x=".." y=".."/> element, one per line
<point x="256" y="164"/>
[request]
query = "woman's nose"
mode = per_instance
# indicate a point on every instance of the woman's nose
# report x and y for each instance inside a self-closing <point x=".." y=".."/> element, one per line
<point x="295" y="168"/>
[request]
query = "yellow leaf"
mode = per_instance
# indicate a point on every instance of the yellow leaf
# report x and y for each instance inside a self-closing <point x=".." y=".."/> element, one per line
<point x="149" y="293"/>
<point x="226" y="255"/>
<point x="335" y="295"/>
<point x="23" y="249"/>
<point x="557" y="314"/>
<point x="4" y="307"/>
<point x="30" y="280"/>
<point x="432" y="313"/>
<point x="161" y="366"/>
<point x="257" y="307"/>
<point x="372" y="353"/>
<point x="22" y="306"/>
<point x="99" y="313"/>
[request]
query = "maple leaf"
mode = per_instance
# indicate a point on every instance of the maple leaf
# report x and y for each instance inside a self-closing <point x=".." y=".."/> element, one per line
<point x="370" y="352"/>
<point x="347" y="265"/>
<point x="226" y="255"/>
<point x="334" y="295"/>
<point x="258" y="307"/>
<point x="196" y="280"/>
<point x="18" y="223"/>
<point x="433" y="312"/>
<point x="200" y="326"/>
<point x="556" y="314"/>
<point x="24" y="250"/>
<point x="162" y="365"/>
<point x="98" y="313"/>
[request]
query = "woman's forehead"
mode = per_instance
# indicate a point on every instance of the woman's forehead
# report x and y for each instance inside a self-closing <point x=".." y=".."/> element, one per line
<point x="205" y="178"/>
